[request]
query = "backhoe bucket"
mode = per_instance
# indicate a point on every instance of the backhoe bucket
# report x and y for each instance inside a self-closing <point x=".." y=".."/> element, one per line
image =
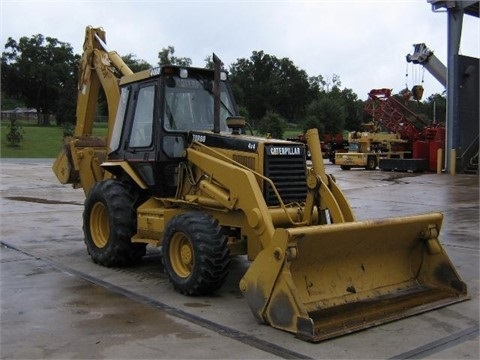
<point x="338" y="278"/>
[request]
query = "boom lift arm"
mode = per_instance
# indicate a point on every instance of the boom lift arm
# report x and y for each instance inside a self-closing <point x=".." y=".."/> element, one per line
<point x="424" y="56"/>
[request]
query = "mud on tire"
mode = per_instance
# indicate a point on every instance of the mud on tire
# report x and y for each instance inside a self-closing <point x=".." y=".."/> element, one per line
<point x="109" y="222"/>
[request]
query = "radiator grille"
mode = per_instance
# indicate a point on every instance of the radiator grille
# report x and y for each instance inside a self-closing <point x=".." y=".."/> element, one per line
<point x="288" y="173"/>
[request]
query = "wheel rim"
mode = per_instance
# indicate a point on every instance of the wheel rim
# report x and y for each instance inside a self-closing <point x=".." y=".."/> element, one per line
<point x="99" y="228"/>
<point x="181" y="255"/>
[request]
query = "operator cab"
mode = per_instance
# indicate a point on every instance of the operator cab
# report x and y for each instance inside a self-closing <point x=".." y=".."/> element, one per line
<point x="158" y="108"/>
<point x="354" y="147"/>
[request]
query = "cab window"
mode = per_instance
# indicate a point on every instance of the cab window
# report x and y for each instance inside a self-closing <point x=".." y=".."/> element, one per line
<point x="118" y="125"/>
<point x="142" y="127"/>
<point x="189" y="105"/>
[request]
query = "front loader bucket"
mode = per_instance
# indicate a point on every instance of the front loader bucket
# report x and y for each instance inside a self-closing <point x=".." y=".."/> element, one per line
<point x="338" y="278"/>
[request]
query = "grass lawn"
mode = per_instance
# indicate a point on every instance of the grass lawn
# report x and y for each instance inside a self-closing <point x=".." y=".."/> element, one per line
<point x="46" y="141"/>
<point x="38" y="141"/>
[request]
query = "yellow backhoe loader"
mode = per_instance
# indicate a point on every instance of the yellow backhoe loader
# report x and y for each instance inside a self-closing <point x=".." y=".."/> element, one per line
<point x="178" y="170"/>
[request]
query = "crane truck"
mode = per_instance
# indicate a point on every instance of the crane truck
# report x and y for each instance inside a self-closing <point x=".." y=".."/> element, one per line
<point x="177" y="170"/>
<point x="367" y="148"/>
<point x="423" y="138"/>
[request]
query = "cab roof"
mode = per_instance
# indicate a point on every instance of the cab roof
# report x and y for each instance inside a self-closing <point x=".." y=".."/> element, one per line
<point x="164" y="70"/>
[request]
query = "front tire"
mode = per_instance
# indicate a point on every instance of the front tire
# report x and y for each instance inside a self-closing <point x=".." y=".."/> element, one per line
<point x="109" y="222"/>
<point x="195" y="254"/>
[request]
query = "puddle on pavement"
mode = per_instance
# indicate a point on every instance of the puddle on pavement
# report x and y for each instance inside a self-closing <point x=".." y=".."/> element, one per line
<point x="100" y="311"/>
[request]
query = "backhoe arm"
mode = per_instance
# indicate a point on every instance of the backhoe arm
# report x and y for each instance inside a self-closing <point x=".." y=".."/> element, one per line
<point x="79" y="160"/>
<point x="98" y="67"/>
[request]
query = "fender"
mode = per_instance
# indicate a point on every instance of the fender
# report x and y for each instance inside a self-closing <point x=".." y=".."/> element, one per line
<point x="118" y="168"/>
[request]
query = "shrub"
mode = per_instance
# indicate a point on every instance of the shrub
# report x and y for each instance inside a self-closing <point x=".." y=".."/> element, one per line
<point x="15" y="133"/>
<point x="272" y="124"/>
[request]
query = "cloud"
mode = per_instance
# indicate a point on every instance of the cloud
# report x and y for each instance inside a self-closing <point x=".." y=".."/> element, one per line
<point x="364" y="42"/>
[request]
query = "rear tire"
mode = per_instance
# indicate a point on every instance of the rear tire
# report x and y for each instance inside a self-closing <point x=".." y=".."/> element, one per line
<point x="371" y="163"/>
<point x="195" y="253"/>
<point x="109" y="222"/>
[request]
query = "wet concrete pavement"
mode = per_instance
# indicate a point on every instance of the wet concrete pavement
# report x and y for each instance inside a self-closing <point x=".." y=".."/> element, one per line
<point x="48" y="313"/>
<point x="55" y="303"/>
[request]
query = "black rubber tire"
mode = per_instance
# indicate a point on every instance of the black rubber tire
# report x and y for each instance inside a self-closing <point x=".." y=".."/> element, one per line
<point x="371" y="163"/>
<point x="109" y="222"/>
<point x="195" y="254"/>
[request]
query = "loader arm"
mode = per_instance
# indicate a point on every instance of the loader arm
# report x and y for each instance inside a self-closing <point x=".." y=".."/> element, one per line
<point x="329" y="194"/>
<point x="236" y="188"/>
<point x="227" y="181"/>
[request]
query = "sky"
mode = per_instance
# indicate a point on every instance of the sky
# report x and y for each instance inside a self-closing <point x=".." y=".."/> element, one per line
<point x="363" y="42"/>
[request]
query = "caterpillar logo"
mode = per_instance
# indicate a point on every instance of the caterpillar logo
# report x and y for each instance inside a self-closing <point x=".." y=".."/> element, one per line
<point x="284" y="150"/>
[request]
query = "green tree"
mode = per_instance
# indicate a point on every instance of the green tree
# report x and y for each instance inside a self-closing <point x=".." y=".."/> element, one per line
<point x="317" y="85"/>
<point x="66" y="106"/>
<point x="312" y="122"/>
<point x="328" y="113"/>
<point x="332" y="109"/>
<point x="250" y="79"/>
<point x="166" y="58"/>
<point x="354" y="110"/>
<point x="331" y="82"/>
<point x="7" y="102"/>
<point x="273" y="124"/>
<point x="265" y="83"/>
<point x="292" y="89"/>
<point x="209" y="64"/>
<point x="135" y="64"/>
<point x="435" y="108"/>
<point x="39" y="71"/>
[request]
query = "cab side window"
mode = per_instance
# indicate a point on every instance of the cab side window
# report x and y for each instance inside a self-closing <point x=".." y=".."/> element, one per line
<point x="142" y="128"/>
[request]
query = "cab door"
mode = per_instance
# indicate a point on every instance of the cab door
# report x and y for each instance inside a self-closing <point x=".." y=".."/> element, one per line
<point x="140" y="139"/>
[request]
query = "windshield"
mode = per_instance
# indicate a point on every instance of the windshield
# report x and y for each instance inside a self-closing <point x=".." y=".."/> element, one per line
<point x="354" y="147"/>
<point x="189" y="104"/>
